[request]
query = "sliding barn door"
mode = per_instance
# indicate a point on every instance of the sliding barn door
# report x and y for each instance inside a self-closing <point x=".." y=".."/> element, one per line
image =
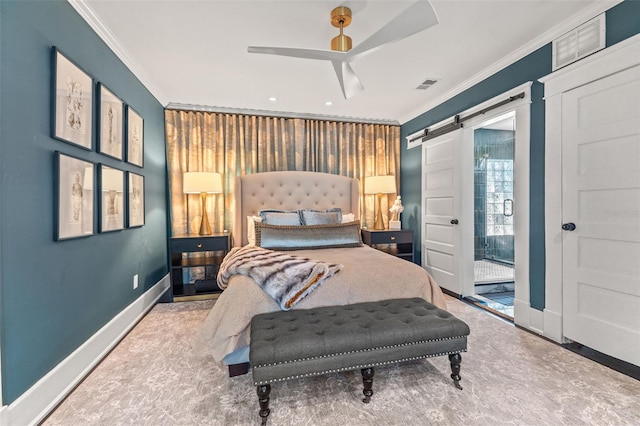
<point x="601" y="215"/>
<point x="441" y="189"/>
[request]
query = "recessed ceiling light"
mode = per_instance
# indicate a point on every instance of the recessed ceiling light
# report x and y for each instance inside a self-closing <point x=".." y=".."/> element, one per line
<point x="328" y="103"/>
<point x="273" y="99"/>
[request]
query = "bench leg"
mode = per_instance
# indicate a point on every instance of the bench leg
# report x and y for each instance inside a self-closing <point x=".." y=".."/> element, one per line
<point x="455" y="360"/>
<point x="263" y="399"/>
<point x="367" y="381"/>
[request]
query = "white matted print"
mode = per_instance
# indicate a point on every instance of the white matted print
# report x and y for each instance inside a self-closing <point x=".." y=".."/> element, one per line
<point x="135" y="137"/>
<point x="136" y="200"/>
<point x="111" y="123"/>
<point x="74" y="197"/>
<point x="72" y="102"/>
<point x="111" y="199"/>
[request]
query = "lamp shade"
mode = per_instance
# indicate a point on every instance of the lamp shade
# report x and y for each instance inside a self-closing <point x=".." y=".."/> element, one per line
<point x="199" y="182"/>
<point x="380" y="185"/>
<point x="112" y="180"/>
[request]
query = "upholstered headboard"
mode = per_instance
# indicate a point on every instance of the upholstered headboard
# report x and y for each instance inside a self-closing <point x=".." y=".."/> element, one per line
<point x="291" y="190"/>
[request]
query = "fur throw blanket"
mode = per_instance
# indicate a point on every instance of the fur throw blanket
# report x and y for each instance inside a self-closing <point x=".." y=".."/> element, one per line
<point x="284" y="277"/>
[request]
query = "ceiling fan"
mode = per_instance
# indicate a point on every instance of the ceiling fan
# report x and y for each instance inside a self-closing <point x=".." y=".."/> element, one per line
<point x="417" y="17"/>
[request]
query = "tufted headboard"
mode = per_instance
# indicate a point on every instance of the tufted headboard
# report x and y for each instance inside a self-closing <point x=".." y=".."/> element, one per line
<point x="290" y="190"/>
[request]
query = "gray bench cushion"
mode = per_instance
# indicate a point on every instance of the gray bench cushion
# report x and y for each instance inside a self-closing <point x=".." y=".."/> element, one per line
<point x="307" y="342"/>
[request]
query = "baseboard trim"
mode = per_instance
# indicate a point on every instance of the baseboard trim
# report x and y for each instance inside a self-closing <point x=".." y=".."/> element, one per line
<point x="546" y="323"/>
<point x="616" y="364"/>
<point x="521" y="313"/>
<point x="553" y="326"/>
<point x="37" y="402"/>
<point x="529" y="318"/>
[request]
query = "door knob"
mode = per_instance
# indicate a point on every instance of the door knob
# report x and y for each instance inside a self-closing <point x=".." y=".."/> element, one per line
<point x="454" y="221"/>
<point x="570" y="226"/>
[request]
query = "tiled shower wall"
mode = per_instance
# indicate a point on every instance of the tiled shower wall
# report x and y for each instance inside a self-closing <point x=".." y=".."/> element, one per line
<point x="492" y="145"/>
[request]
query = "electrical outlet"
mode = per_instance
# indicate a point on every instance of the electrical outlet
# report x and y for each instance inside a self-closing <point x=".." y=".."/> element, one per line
<point x="135" y="281"/>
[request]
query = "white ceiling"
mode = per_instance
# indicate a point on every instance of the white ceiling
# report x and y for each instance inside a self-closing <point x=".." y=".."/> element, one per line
<point x="194" y="52"/>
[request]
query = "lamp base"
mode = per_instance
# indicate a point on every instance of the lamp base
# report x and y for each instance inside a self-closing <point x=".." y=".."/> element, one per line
<point x="394" y="224"/>
<point x="205" y="228"/>
<point x="379" y="225"/>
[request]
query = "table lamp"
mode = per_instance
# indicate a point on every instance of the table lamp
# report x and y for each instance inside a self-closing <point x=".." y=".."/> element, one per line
<point x="202" y="183"/>
<point x="379" y="185"/>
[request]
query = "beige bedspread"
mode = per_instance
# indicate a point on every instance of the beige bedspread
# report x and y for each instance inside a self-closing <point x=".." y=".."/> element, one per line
<point x="368" y="275"/>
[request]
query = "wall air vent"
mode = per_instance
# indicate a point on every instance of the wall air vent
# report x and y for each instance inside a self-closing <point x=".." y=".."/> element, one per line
<point x="582" y="41"/>
<point x="426" y="84"/>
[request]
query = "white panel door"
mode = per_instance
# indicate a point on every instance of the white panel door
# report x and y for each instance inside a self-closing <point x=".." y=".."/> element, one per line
<point x="601" y="197"/>
<point x="440" y="209"/>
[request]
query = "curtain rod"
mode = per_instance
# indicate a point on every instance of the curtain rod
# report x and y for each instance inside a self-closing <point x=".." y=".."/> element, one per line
<point x="457" y="120"/>
<point x="282" y="114"/>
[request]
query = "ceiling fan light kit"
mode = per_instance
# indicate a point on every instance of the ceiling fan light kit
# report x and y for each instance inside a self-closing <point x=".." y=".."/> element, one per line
<point x="417" y="17"/>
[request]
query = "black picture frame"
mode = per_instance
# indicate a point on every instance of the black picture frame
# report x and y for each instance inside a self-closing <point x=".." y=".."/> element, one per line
<point x="111" y="198"/>
<point x="135" y="138"/>
<point x="74" y="197"/>
<point x="135" y="200"/>
<point x="110" y="123"/>
<point x="72" y="102"/>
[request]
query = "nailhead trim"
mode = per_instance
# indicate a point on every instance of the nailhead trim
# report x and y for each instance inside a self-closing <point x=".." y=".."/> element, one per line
<point x="360" y="350"/>
<point x="355" y="367"/>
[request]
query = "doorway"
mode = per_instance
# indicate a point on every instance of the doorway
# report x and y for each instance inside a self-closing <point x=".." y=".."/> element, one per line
<point x="494" y="203"/>
<point x="448" y="197"/>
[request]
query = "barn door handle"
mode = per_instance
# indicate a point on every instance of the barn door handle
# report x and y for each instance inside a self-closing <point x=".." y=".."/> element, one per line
<point x="570" y="226"/>
<point x="454" y="221"/>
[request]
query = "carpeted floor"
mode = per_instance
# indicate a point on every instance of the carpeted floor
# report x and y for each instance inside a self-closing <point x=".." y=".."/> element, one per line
<point x="510" y="377"/>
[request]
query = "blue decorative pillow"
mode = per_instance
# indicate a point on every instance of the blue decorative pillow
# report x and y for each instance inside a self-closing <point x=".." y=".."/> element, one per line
<point x="320" y="217"/>
<point x="308" y="237"/>
<point x="280" y="217"/>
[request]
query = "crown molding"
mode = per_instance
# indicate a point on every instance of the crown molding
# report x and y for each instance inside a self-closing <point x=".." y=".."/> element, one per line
<point x="590" y="12"/>
<point x="283" y="114"/>
<point x="89" y="15"/>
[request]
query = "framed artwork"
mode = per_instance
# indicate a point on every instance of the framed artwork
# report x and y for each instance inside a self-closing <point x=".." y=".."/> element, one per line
<point x="111" y="199"/>
<point x="74" y="197"/>
<point x="111" y="123"/>
<point x="135" y="205"/>
<point x="135" y="137"/>
<point x="72" y="102"/>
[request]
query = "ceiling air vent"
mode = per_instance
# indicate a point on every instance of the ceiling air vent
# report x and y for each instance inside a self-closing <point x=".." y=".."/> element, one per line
<point x="426" y="84"/>
<point x="582" y="41"/>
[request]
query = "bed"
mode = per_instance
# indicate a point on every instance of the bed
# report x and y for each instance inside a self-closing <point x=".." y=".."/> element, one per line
<point x="367" y="275"/>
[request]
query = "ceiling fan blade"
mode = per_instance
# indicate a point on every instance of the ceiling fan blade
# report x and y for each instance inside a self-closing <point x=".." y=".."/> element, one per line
<point x="417" y="17"/>
<point x="349" y="81"/>
<point x="325" y="55"/>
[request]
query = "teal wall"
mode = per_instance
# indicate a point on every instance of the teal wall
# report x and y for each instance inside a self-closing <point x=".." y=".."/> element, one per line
<point x="55" y="295"/>
<point x="623" y="21"/>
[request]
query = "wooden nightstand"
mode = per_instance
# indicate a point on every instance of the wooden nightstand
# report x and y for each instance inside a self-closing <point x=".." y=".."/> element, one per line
<point x="204" y="254"/>
<point x="397" y="242"/>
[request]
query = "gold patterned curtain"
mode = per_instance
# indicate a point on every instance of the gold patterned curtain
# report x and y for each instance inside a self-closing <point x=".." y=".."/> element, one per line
<point x="236" y="144"/>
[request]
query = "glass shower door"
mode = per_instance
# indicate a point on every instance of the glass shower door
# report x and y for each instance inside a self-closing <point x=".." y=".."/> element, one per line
<point x="499" y="210"/>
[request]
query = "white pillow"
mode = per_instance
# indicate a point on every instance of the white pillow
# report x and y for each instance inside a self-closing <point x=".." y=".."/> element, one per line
<point x="348" y="217"/>
<point x="251" y="229"/>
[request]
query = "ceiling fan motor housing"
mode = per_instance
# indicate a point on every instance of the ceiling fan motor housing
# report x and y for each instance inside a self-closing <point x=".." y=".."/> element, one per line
<point x="340" y="18"/>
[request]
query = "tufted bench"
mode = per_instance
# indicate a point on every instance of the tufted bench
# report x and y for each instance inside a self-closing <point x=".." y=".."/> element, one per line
<point x="309" y="342"/>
